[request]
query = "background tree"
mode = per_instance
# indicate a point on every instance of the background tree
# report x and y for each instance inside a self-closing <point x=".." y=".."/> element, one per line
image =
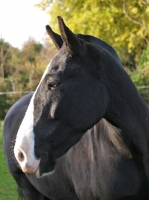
<point x="22" y="70"/>
<point x="4" y="57"/>
<point x="32" y="57"/>
<point x="123" y="24"/>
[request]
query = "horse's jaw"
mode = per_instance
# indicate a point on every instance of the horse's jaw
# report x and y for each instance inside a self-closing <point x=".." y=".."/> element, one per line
<point x="39" y="175"/>
<point x="46" y="166"/>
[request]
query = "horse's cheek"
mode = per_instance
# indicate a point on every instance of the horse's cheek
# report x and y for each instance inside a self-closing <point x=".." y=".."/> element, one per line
<point x="87" y="110"/>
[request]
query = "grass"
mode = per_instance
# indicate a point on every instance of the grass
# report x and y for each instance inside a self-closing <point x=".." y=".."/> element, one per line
<point x="8" y="187"/>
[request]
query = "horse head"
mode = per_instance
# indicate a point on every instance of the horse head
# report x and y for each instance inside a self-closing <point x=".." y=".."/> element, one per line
<point x="70" y="98"/>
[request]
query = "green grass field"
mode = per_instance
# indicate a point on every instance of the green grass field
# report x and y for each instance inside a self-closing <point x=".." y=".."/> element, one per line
<point x="8" y="187"/>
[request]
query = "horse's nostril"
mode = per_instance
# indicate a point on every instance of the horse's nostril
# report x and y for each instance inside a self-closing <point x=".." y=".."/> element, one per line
<point x="20" y="156"/>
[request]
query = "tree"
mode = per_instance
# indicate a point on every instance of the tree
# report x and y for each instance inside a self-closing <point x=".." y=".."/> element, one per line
<point x="123" y="24"/>
<point x="4" y="57"/>
<point x="31" y="53"/>
<point x="29" y="64"/>
<point x="21" y="70"/>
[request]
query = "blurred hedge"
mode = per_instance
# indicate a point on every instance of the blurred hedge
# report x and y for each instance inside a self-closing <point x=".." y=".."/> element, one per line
<point x="6" y="101"/>
<point x="145" y="94"/>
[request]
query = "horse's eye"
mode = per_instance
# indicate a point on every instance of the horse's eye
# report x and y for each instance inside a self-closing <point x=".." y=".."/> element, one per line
<point x="52" y="86"/>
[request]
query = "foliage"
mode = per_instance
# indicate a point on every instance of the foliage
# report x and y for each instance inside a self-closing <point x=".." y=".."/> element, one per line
<point x="4" y="57"/>
<point x="22" y="70"/>
<point x="123" y="24"/>
<point x="6" y="101"/>
<point x="141" y="76"/>
<point x="144" y="60"/>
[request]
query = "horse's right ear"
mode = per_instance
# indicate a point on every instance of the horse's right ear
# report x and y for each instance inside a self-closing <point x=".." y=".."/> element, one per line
<point x="56" y="38"/>
<point x="71" y="41"/>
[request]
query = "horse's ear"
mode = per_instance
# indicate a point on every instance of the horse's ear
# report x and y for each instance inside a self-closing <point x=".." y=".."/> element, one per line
<point x="70" y="39"/>
<point x="56" y="38"/>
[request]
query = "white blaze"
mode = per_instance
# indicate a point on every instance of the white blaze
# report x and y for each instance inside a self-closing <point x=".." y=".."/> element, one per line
<point x="25" y="136"/>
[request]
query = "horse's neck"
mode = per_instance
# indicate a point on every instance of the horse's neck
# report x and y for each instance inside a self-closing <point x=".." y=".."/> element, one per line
<point x="110" y="135"/>
<point x="128" y="111"/>
<point x="102" y="139"/>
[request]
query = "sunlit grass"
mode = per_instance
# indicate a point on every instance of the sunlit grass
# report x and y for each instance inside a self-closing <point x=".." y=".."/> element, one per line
<point x="8" y="187"/>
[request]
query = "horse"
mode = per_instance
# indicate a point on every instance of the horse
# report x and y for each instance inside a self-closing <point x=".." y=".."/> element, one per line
<point x="16" y="114"/>
<point x="85" y="131"/>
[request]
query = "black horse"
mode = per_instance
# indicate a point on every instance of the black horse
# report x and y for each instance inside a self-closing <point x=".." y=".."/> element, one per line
<point x="84" y="97"/>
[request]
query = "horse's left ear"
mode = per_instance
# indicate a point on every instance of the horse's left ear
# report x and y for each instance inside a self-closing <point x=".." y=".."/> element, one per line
<point x="70" y="39"/>
<point x="56" y="38"/>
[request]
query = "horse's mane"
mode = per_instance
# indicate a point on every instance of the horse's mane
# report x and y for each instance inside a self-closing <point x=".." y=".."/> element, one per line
<point x="112" y="135"/>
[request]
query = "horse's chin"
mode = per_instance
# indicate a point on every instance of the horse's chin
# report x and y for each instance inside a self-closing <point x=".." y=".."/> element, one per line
<point x="39" y="175"/>
<point x="46" y="166"/>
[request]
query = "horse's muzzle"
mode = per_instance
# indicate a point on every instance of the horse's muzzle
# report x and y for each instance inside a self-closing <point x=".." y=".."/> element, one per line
<point x="28" y="163"/>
